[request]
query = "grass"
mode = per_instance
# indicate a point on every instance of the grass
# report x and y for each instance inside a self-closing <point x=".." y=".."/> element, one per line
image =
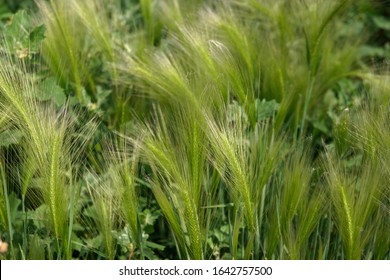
<point x="177" y="176"/>
<point x="217" y="129"/>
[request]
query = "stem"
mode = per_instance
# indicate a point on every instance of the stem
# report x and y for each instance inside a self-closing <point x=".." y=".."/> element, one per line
<point x="71" y="217"/>
<point x="25" y="239"/>
<point x="307" y="100"/>
<point x="5" y="191"/>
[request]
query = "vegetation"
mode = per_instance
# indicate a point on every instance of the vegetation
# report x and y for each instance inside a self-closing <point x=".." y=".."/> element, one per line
<point x="205" y="130"/>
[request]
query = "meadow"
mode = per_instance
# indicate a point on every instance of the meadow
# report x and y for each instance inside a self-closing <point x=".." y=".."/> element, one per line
<point x="204" y="129"/>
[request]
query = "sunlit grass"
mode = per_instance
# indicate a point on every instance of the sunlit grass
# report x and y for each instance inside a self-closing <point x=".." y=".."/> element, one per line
<point x="204" y="146"/>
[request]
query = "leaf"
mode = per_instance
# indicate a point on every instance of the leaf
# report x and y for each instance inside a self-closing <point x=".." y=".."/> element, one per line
<point x="330" y="100"/>
<point x="381" y="22"/>
<point x="21" y="36"/>
<point x="149" y="254"/>
<point x="321" y="126"/>
<point x="15" y="29"/>
<point x="153" y="245"/>
<point x="95" y="242"/>
<point x="341" y="132"/>
<point x="365" y="51"/>
<point x="101" y="95"/>
<point x="36" y="37"/>
<point x="149" y="218"/>
<point x="36" y="248"/>
<point x="235" y="111"/>
<point x="50" y="90"/>
<point x="10" y="137"/>
<point x="86" y="100"/>
<point x="354" y="161"/>
<point x="15" y="203"/>
<point x="4" y="12"/>
<point x="266" y="109"/>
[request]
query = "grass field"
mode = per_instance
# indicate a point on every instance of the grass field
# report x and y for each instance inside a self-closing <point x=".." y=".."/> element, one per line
<point x="205" y="129"/>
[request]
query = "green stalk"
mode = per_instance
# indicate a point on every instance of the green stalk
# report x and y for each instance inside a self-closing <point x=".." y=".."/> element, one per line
<point x="235" y="234"/>
<point x="53" y="195"/>
<point x="8" y="209"/>
<point x="71" y="220"/>
<point x="306" y="104"/>
<point x="25" y="237"/>
<point x="349" y="223"/>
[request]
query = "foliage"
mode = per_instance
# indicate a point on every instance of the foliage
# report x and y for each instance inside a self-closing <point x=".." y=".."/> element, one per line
<point x="204" y="130"/>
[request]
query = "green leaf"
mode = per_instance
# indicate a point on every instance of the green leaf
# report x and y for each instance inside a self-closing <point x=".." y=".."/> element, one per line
<point x="37" y="248"/>
<point x="10" y="137"/>
<point x="86" y="100"/>
<point x="5" y="14"/>
<point x="15" y="203"/>
<point x="101" y="95"/>
<point x="148" y="218"/>
<point x="341" y="132"/>
<point x="365" y="51"/>
<point x="354" y="161"/>
<point x="321" y="126"/>
<point x="50" y="90"/>
<point x="16" y="26"/>
<point x="21" y="37"/>
<point x="36" y="37"/>
<point x="95" y="242"/>
<point x="381" y="22"/>
<point x="149" y="254"/>
<point x="266" y="109"/>
<point x="153" y="245"/>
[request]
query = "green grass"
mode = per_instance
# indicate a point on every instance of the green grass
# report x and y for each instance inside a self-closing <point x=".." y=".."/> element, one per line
<point x="211" y="130"/>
